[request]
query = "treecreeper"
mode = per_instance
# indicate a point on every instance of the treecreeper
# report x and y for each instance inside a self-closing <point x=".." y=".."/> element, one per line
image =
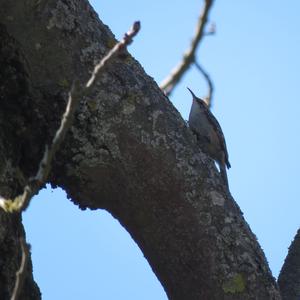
<point x="209" y="134"/>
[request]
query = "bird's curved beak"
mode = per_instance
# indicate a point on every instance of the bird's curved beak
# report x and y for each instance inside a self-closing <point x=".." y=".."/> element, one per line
<point x="192" y="93"/>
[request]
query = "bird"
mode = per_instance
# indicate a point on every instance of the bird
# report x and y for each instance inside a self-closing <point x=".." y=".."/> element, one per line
<point x="209" y="134"/>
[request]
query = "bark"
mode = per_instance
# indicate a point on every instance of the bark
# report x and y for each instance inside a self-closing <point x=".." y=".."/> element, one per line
<point x="13" y="99"/>
<point x="129" y="152"/>
<point x="289" y="277"/>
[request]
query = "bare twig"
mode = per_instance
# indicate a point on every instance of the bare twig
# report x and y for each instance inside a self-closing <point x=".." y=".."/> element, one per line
<point x="169" y="83"/>
<point x="21" y="273"/>
<point x="127" y="40"/>
<point x="208" y="98"/>
<point x="21" y="202"/>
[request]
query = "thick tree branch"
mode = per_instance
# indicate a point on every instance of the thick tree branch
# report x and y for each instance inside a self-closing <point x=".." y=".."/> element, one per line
<point x="169" y="83"/>
<point x="14" y="97"/>
<point x="289" y="277"/>
<point x="21" y="202"/>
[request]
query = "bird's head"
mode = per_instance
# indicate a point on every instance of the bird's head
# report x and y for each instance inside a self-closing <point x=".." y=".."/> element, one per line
<point x="197" y="100"/>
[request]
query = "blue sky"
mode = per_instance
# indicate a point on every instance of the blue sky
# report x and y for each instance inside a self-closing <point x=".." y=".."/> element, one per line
<point x="254" y="62"/>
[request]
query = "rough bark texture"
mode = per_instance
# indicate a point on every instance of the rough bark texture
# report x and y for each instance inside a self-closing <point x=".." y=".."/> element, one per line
<point x="129" y="152"/>
<point x="14" y="122"/>
<point x="289" y="277"/>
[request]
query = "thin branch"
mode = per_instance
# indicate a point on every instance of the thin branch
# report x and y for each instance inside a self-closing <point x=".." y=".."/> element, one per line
<point x="169" y="83"/>
<point x="21" y="202"/>
<point x="21" y="273"/>
<point x="210" y="84"/>
<point x="127" y="40"/>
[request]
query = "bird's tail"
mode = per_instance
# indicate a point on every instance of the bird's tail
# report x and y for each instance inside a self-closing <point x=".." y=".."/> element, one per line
<point x="224" y="174"/>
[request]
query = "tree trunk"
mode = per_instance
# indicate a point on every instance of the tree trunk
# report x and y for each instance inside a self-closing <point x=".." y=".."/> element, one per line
<point x="289" y="276"/>
<point x="129" y="152"/>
